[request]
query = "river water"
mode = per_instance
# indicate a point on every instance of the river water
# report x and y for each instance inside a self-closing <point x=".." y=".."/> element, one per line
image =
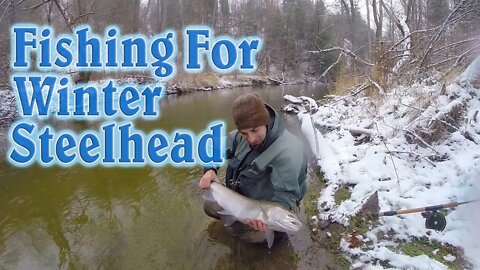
<point x="135" y="218"/>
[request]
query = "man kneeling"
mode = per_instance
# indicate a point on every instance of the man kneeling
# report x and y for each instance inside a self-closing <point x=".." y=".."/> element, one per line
<point x="265" y="162"/>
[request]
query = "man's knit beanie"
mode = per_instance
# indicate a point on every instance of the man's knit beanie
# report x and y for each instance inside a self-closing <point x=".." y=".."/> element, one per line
<point x="249" y="111"/>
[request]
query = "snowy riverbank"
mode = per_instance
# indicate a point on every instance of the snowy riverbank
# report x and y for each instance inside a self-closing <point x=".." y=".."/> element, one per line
<point x="417" y="145"/>
<point x="179" y="85"/>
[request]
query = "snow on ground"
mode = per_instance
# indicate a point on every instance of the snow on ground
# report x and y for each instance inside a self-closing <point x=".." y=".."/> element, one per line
<point x="405" y="174"/>
<point x="8" y="107"/>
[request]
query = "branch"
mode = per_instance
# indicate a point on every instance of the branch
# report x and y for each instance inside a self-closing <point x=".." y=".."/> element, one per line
<point x="38" y="5"/>
<point x="388" y="151"/>
<point x="414" y="134"/>
<point x="394" y="18"/>
<point x="323" y="30"/>
<point x="65" y="15"/>
<point x="346" y="52"/>
<point x="458" y="57"/>
<point x="399" y="56"/>
<point x="437" y="36"/>
<point x="456" y="43"/>
<point x="420" y="139"/>
<point x="81" y="16"/>
<point x="11" y="9"/>
<point x="332" y="65"/>
<point x="380" y="89"/>
<point x="407" y="36"/>
<point x="354" y="130"/>
<point x="359" y="89"/>
<point x="5" y="11"/>
<point x="3" y="2"/>
<point x="412" y="153"/>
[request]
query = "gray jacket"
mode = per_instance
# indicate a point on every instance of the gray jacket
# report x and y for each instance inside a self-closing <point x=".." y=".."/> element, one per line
<point x="275" y="172"/>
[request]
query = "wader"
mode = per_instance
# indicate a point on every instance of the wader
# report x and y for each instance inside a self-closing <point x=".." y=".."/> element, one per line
<point x="239" y="230"/>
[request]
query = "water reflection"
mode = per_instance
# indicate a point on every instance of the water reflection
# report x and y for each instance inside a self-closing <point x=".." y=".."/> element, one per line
<point x="128" y="218"/>
<point x="243" y="255"/>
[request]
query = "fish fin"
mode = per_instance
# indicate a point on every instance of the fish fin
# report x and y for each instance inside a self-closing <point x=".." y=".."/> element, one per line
<point x="208" y="196"/>
<point x="228" y="220"/>
<point x="270" y="236"/>
<point x="227" y="217"/>
<point x="225" y="212"/>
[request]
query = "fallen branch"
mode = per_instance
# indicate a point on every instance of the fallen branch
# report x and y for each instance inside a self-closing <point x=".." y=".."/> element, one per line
<point x="346" y="52"/>
<point x="363" y="87"/>
<point x="360" y="89"/>
<point x="380" y="89"/>
<point x="417" y="155"/>
<point x="352" y="129"/>
<point x="421" y="140"/>
<point x="388" y="150"/>
<point x="277" y="82"/>
<point x="413" y="134"/>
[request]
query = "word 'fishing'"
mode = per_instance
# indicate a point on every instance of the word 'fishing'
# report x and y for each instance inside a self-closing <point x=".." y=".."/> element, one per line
<point x="85" y="50"/>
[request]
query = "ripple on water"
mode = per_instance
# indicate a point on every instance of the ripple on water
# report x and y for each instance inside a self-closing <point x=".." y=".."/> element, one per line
<point x="129" y="218"/>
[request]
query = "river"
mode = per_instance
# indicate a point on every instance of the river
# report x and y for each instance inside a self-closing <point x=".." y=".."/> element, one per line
<point x="136" y="218"/>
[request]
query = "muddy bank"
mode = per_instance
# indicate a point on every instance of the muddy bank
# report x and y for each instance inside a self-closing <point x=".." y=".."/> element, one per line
<point x="325" y="235"/>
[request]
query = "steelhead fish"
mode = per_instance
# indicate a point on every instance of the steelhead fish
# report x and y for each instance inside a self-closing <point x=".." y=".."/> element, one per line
<point x="237" y="207"/>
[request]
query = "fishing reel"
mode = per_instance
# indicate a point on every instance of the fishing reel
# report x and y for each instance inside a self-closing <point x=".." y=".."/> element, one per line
<point x="435" y="220"/>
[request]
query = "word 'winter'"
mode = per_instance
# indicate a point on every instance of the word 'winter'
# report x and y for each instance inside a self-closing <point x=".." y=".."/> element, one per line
<point x="41" y="96"/>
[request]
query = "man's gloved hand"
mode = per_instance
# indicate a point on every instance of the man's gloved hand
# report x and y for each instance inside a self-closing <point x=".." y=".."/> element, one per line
<point x="207" y="178"/>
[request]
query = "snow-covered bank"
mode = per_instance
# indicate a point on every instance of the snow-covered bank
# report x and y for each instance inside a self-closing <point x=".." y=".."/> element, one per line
<point x="416" y="145"/>
<point x="8" y="108"/>
<point x="211" y="81"/>
<point x="180" y="85"/>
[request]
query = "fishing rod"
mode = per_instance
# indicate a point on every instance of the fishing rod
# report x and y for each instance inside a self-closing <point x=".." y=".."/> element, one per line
<point x="433" y="219"/>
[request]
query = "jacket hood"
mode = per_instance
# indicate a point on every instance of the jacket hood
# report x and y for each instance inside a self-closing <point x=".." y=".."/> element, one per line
<point x="275" y="128"/>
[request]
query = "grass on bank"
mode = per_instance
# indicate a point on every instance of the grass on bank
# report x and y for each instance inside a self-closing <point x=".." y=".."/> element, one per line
<point x="434" y="250"/>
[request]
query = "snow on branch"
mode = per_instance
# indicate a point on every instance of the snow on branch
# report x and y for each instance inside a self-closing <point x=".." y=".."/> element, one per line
<point x="346" y="52"/>
<point x="450" y="19"/>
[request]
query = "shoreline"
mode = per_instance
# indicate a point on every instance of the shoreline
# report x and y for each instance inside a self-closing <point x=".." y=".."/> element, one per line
<point x="178" y="86"/>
